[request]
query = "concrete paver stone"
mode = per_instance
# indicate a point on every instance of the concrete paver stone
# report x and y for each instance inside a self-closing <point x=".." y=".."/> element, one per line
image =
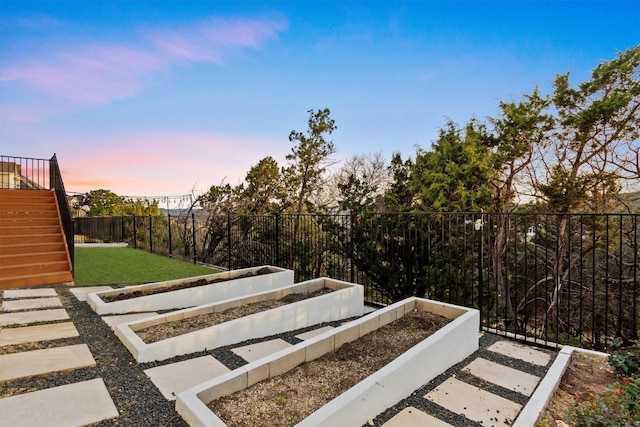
<point x="123" y="318"/>
<point x="414" y="417"/>
<point x="37" y="362"/>
<point x="81" y="293"/>
<point x="29" y="293"/>
<point x="176" y="377"/>
<point x="26" y="334"/>
<point x="28" y="304"/>
<point x="257" y="351"/>
<point x="504" y="376"/>
<point x="70" y="405"/>
<point x="474" y="403"/>
<point x="26" y="317"/>
<point x="313" y="333"/>
<point x="522" y="352"/>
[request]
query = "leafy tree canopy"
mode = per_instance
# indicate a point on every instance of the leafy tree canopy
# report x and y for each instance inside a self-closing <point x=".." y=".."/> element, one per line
<point x="456" y="174"/>
<point x="105" y="202"/>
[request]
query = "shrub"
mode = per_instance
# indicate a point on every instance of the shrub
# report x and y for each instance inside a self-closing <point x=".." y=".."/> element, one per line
<point x="619" y="406"/>
<point x="625" y="362"/>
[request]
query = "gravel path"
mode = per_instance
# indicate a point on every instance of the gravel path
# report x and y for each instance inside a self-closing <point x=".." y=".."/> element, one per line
<point x="137" y="399"/>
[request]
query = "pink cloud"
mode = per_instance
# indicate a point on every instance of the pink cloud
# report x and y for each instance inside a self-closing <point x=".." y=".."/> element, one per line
<point x="163" y="163"/>
<point x="98" y="73"/>
<point x="90" y="75"/>
<point x="211" y="39"/>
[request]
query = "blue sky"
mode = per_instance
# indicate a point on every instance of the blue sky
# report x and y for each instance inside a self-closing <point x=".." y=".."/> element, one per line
<point x="162" y="97"/>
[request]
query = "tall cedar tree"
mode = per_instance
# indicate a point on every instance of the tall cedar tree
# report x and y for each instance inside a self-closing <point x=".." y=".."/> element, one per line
<point x="309" y="159"/>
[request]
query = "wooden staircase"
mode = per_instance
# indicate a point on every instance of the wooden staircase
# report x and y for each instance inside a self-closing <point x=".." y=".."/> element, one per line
<point x="33" y="250"/>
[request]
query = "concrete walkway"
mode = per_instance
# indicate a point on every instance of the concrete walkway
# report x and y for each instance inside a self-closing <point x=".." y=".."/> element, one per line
<point x="55" y="406"/>
<point x="488" y="389"/>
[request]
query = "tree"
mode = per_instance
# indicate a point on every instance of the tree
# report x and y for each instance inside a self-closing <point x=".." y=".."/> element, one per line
<point x="520" y="127"/>
<point x="264" y="187"/>
<point x="399" y="196"/>
<point x="583" y="162"/>
<point x="456" y="174"/>
<point x="360" y="182"/>
<point x="103" y="202"/>
<point x="309" y="159"/>
<point x="584" y="159"/>
<point x="304" y="178"/>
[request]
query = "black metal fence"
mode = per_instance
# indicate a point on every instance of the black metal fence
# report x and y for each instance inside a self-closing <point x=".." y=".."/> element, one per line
<point x="555" y="278"/>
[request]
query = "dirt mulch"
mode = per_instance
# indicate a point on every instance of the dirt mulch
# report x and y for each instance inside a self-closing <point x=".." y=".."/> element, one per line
<point x="586" y="374"/>
<point x="145" y="292"/>
<point x="166" y="330"/>
<point x="289" y="398"/>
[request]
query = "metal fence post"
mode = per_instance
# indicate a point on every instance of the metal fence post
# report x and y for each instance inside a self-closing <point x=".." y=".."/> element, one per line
<point x="351" y="269"/>
<point x="135" y="233"/>
<point x="169" y="230"/>
<point x="479" y="226"/>
<point x="277" y="216"/>
<point x="193" y="235"/>
<point x="229" y="242"/>
<point x="150" y="234"/>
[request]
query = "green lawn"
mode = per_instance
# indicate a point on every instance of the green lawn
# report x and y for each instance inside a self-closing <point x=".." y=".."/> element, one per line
<point x="107" y="266"/>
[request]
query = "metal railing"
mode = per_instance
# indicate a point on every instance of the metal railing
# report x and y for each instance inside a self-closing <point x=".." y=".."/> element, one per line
<point x="56" y="184"/>
<point x="555" y="278"/>
<point x="25" y="173"/>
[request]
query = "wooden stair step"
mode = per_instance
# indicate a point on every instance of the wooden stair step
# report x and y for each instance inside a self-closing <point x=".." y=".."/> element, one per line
<point x="33" y="268"/>
<point x="35" y="230"/>
<point x="31" y="238"/>
<point x="35" y="280"/>
<point x="26" y="194"/>
<point x="26" y="221"/>
<point x="35" y="214"/>
<point x="32" y="248"/>
<point x="26" y="208"/>
<point x="33" y="257"/>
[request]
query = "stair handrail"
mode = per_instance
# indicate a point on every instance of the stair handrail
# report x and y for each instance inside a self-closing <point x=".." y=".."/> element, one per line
<point x="56" y="184"/>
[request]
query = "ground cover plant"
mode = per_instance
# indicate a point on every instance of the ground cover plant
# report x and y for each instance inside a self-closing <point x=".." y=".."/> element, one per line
<point x="597" y="391"/>
<point x="106" y="266"/>
<point x="620" y="404"/>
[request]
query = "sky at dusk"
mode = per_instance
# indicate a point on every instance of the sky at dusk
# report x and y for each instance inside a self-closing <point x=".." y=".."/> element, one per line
<point x="161" y="98"/>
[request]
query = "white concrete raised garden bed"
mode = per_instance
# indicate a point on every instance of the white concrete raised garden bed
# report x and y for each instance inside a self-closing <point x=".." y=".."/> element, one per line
<point x="408" y="372"/>
<point x="234" y="285"/>
<point x="346" y="300"/>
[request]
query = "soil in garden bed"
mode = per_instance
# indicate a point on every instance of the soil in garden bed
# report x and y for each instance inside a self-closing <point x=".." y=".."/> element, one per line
<point x="586" y="374"/>
<point x="183" y="326"/>
<point x="287" y="399"/>
<point x="141" y="293"/>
